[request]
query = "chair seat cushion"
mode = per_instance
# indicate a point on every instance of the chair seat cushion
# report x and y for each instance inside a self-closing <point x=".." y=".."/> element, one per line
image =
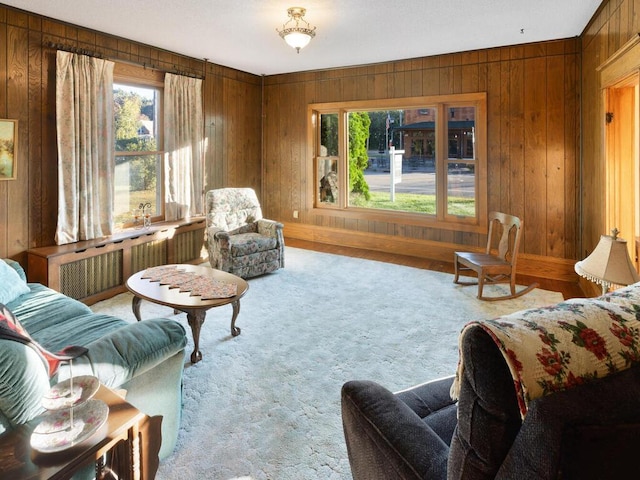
<point x="249" y="243"/>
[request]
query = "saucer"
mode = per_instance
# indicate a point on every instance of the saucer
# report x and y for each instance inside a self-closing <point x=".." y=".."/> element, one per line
<point x="60" y="396"/>
<point x="55" y="432"/>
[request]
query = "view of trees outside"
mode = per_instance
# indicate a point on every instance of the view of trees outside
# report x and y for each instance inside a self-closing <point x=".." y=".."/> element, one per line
<point x="359" y="123"/>
<point x="138" y="159"/>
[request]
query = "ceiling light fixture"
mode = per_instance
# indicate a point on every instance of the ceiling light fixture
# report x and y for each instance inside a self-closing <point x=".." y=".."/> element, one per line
<point x="296" y="31"/>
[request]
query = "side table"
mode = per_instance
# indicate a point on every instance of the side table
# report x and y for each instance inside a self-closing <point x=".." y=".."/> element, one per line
<point x="131" y="439"/>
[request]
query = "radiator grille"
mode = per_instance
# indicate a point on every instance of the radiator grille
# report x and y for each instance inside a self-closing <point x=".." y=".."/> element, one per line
<point x="93" y="275"/>
<point x="148" y="254"/>
<point x="86" y="277"/>
<point x="189" y="245"/>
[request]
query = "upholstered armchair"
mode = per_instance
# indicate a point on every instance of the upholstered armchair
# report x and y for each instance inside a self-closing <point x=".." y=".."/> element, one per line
<point x="239" y="240"/>
<point x="590" y="430"/>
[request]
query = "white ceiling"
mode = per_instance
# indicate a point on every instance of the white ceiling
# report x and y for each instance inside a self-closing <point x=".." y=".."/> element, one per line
<point x="242" y="33"/>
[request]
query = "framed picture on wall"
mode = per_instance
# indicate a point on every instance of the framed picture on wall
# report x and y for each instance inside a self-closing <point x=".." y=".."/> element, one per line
<point x="8" y="149"/>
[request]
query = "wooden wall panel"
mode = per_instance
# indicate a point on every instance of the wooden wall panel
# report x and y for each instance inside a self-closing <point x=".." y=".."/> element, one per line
<point x="257" y="136"/>
<point x="614" y="24"/>
<point x="528" y="111"/>
<point x="29" y="205"/>
<point x="4" y="190"/>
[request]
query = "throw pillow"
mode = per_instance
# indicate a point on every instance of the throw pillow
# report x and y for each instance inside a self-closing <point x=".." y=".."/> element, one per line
<point x="11" y="285"/>
<point x="11" y="329"/>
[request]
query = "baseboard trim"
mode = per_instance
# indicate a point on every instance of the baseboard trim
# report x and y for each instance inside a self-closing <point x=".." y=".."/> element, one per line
<point x="529" y="265"/>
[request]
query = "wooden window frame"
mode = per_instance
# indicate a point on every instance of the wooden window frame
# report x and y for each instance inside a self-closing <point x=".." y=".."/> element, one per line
<point x="441" y="219"/>
<point x="137" y="76"/>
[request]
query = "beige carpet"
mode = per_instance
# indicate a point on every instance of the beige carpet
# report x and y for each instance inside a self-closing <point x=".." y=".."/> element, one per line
<point x="266" y="404"/>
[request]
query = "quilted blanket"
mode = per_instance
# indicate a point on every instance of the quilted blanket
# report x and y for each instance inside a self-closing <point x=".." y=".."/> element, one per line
<point x="556" y="347"/>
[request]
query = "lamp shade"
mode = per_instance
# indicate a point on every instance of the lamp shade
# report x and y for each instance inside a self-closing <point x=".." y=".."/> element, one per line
<point x="609" y="263"/>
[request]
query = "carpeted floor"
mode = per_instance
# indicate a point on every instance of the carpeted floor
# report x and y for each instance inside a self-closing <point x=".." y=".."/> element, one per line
<point x="266" y="404"/>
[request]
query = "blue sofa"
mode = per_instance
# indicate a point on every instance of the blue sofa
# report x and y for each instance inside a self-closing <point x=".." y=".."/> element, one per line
<point x="146" y="359"/>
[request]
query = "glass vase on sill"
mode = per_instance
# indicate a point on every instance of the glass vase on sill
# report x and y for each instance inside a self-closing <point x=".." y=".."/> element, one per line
<point x="147" y="221"/>
<point x="137" y="219"/>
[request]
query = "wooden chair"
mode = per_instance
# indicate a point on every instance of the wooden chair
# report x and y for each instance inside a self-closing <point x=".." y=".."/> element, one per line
<point x="498" y="263"/>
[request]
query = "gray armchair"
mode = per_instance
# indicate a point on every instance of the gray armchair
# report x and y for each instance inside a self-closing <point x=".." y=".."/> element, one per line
<point x="590" y="431"/>
<point x="239" y="240"/>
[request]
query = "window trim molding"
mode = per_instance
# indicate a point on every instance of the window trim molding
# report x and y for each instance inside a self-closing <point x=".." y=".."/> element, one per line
<point x="441" y="220"/>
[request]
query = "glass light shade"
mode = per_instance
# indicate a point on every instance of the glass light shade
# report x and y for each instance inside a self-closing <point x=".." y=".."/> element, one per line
<point x="609" y="263"/>
<point x="297" y="39"/>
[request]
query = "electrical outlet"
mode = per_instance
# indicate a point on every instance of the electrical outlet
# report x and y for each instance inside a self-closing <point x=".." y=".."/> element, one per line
<point x="295" y="214"/>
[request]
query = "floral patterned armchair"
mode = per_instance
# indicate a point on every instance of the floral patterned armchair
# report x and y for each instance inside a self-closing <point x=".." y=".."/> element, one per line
<point x="240" y="241"/>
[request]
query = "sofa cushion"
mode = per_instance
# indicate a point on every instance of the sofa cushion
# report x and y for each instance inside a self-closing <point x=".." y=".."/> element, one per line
<point x="11" y="285"/>
<point x="43" y="308"/>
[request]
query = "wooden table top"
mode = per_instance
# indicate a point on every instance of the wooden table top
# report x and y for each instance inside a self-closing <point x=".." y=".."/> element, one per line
<point x="172" y="297"/>
<point x="18" y="460"/>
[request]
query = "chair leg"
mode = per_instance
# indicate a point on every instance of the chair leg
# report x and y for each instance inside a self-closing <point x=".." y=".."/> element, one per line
<point x="480" y="284"/>
<point x="455" y="266"/>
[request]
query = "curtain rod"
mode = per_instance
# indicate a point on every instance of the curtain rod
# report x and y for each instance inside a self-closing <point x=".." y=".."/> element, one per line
<point x="91" y="53"/>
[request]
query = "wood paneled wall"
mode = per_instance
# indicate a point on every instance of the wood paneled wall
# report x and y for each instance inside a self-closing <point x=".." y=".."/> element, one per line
<point x="256" y="129"/>
<point x="29" y="205"/>
<point x="616" y="22"/>
<point x="533" y="136"/>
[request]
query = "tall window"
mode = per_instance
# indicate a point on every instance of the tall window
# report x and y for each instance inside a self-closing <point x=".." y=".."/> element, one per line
<point x="420" y="158"/>
<point x="139" y="152"/>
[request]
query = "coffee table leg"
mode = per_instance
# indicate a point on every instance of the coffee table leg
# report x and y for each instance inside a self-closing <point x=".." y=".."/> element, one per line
<point x="196" y="319"/>
<point x="135" y="305"/>
<point x="235" y="331"/>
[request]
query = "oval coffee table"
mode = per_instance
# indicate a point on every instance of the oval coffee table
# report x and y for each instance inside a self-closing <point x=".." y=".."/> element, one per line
<point x="192" y="305"/>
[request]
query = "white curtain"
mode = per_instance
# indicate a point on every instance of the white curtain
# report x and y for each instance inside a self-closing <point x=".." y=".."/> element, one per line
<point x="183" y="136"/>
<point x="84" y="122"/>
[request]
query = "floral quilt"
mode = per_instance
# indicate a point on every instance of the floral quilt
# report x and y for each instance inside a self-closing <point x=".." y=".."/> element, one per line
<point x="557" y="347"/>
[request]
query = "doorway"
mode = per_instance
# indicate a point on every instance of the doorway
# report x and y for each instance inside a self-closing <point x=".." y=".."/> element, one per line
<point x="622" y="164"/>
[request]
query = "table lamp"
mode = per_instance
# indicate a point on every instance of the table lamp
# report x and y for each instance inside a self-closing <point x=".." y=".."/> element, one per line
<point x="609" y="263"/>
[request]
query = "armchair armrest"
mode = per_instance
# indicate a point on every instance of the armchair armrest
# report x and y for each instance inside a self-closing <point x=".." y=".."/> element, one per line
<point x="386" y="439"/>
<point x="270" y="228"/>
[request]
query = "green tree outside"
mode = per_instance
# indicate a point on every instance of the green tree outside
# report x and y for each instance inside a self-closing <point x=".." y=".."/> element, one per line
<point x="128" y="108"/>
<point x="359" y="123"/>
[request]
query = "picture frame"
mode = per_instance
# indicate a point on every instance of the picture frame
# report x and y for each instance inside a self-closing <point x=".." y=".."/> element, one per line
<point x="8" y="149"/>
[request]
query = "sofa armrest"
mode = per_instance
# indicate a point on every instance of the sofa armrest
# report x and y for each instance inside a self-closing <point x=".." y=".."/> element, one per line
<point x="24" y="380"/>
<point x="386" y="439"/>
<point x="127" y="352"/>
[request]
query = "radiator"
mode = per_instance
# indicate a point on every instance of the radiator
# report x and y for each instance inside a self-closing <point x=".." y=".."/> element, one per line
<point x="91" y="275"/>
<point x="188" y="245"/>
<point x="103" y="271"/>
<point x="148" y="254"/>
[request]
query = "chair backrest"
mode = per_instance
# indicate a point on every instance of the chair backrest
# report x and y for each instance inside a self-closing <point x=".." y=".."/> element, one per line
<point x="509" y="241"/>
<point x="232" y="208"/>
